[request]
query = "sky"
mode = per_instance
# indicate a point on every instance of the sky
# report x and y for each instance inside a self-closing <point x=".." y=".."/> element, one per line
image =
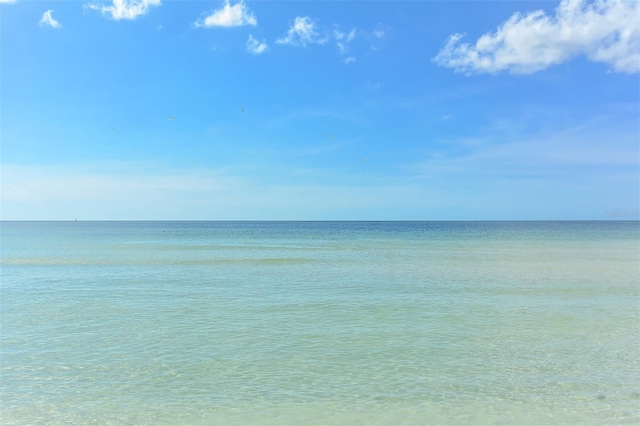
<point x="319" y="110"/>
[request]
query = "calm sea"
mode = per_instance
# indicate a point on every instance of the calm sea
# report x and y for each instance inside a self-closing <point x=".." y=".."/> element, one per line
<point x="416" y="323"/>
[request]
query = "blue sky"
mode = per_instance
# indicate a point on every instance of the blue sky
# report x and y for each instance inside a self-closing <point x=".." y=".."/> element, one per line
<point x="292" y="110"/>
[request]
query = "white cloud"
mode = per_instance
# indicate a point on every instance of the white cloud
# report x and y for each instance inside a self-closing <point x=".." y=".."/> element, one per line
<point x="256" y="47"/>
<point x="47" y="19"/>
<point x="302" y="32"/>
<point x="305" y="31"/>
<point x="124" y="9"/>
<point x="229" y="16"/>
<point x="604" y="31"/>
<point x="343" y="39"/>
<point x="7" y="1"/>
<point x="349" y="60"/>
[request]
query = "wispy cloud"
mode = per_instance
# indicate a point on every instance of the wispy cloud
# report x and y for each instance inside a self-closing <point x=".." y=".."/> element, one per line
<point x="343" y="39"/>
<point x="236" y="15"/>
<point x="604" y="31"/>
<point x="7" y="1"/>
<point x="377" y="37"/>
<point x="303" y="31"/>
<point x="593" y="147"/>
<point x="345" y="113"/>
<point x="256" y="47"/>
<point x="47" y="19"/>
<point x="306" y="31"/>
<point x="98" y="192"/>
<point x="82" y="192"/>
<point x="124" y="9"/>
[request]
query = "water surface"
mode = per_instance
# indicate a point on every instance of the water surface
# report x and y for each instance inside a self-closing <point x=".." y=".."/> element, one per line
<point x="320" y="323"/>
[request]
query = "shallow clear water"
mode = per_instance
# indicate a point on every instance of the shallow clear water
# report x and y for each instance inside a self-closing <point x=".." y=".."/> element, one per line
<point x="320" y="323"/>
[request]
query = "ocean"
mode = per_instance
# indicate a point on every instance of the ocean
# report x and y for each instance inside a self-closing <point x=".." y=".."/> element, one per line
<point x="320" y="323"/>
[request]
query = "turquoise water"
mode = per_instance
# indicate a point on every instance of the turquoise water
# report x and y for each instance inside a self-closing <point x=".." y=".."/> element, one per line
<point x="320" y="323"/>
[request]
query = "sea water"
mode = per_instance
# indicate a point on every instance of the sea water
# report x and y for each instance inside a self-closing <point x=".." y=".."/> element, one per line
<point x="416" y="323"/>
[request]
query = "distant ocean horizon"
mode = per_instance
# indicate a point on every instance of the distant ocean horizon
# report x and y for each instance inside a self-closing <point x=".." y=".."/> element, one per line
<point x="320" y="322"/>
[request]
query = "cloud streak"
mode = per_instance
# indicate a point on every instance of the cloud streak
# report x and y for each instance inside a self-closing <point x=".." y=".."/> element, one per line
<point x="56" y="192"/>
<point x="605" y="31"/>
<point x="236" y="15"/>
<point x="591" y="149"/>
<point x="304" y="31"/>
<point x="47" y="20"/>
<point x="102" y="193"/>
<point x="343" y="39"/>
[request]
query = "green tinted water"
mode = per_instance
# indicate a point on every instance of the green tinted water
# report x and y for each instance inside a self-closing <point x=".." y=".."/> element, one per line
<point x="320" y="323"/>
